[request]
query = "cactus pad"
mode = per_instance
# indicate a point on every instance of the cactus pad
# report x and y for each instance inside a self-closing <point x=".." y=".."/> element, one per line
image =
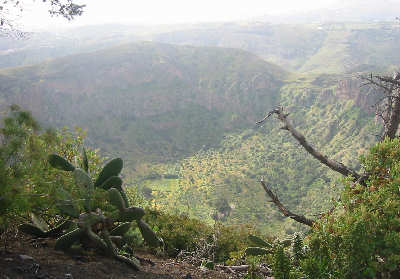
<point x="148" y="234"/>
<point x="85" y="162"/>
<point x="112" y="182"/>
<point x="258" y="241"/>
<point x="115" y="198"/>
<point x="113" y="168"/>
<point x="92" y="227"/>
<point x="60" y="163"/>
<point x="31" y="230"/>
<point x="67" y="207"/>
<point x="121" y="229"/>
<point x="132" y="213"/>
<point x="39" y="228"/>
<point x="67" y="240"/>
<point x="57" y="230"/>
<point x="256" y="251"/>
<point x="82" y="179"/>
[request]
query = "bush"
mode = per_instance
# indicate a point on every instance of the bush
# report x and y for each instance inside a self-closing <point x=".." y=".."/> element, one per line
<point x="27" y="182"/>
<point x="231" y="239"/>
<point x="179" y="232"/>
<point x="360" y="238"/>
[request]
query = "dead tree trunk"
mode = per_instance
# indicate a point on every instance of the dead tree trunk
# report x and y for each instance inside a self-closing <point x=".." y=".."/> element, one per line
<point x="388" y="106"/>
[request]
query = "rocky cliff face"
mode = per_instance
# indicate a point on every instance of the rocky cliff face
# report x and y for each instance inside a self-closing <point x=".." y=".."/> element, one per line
<point x="363" y="96"/>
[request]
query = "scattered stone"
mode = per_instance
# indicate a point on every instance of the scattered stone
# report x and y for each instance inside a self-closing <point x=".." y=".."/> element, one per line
<point x="8" y="259"/>
<point x="26" y="258"/>
<point x="35" y="268"/>
<point x="203" y="268"/>
<point x="68" y="276"/>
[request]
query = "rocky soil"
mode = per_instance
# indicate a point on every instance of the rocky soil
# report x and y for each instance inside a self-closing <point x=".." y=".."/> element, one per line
<point x="25" y="258"/>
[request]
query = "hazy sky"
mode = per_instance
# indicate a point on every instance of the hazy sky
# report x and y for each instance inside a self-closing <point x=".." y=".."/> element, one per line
<point x="167" y="11"/>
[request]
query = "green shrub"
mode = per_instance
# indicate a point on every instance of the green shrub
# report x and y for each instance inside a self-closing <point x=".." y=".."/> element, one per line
<point x="360" y="238"/>
<point x="281" y="263"/>
<point x="27" y="182"/>
<point x="179" y="232"/>
<point x="231" y="239"/>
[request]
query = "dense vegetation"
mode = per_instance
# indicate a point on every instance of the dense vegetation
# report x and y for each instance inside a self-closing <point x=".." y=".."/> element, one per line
<point x="227" y="177"/>
<point x="28" y="182"/>
<point x="184" y="117"/>
<point x="53" y="204"/>
<point x="357" y="238"/>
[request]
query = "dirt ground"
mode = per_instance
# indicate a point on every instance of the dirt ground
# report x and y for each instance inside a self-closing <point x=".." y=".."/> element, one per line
<point x="26" y="258"/>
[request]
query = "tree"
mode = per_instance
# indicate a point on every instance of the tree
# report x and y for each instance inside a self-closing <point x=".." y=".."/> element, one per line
<point x="10" y="8"/>
<point x="387" y="109"/>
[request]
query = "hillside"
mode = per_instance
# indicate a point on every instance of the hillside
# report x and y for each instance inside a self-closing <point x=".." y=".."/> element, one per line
<point x="148" y="101"/>
<point x="183" y="118"/>
<point x="337" y="120"/>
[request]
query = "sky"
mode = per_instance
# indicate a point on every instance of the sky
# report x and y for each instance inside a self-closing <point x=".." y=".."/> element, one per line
<point x="154" y="12"/>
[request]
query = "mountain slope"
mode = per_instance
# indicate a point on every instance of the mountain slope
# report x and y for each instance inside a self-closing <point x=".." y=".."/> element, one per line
<point x="184" y="119"/>
<point x="149" y="100"/>
<point x="224" y="183"/>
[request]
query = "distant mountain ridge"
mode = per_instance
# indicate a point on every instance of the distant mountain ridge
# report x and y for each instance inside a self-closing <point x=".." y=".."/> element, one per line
<point x="321" y="47"/>
<point x="342" y="47"/>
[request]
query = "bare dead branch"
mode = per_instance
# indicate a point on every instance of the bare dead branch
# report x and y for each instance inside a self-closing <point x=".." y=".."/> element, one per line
<point x="298" y="218"/>
<point x="389" y="80"/>
<point x="372" y="80"/>
<point x="332" y="164"/>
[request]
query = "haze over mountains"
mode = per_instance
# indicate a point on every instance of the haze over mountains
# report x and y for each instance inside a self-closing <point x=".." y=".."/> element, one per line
<point x="348" y="47"/>
<point x="342" y="11"/>
<point x="181" y="107"/>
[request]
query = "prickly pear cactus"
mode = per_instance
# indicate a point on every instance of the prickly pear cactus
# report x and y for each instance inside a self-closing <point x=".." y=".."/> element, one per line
<point x="263" y="248"/>
<point x="103" y="233"/>
<point x="39" y="228"/>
